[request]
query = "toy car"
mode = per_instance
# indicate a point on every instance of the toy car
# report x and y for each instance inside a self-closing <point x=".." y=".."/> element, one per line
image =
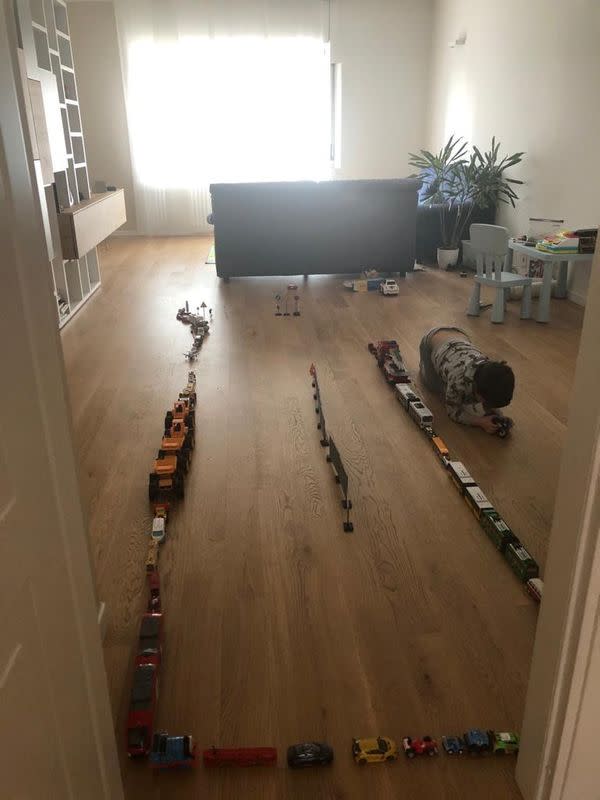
<point x="183" y="410"/>
<point x="504" y="742"/>
<point x="389" y="287"/>
<point x="374" y="751"/>
<point x="166" y="478"/>
<point x="309" y="754"/>
<point x="504" y="425"/>
<point x="152" y="556"/>
<point x="158" y="532"/>
<point x="477" y="741"/>
<point x="154" y="588"/>
<point x="150" y="640"/>
<point x="419" y="747"/>
<point x="169" y="752"/>
<point x="453" y="745"/>
<point x="239" y="756"/>
<point x="141" y="710"/>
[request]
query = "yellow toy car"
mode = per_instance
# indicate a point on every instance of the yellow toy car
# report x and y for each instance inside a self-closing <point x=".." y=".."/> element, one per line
<point x="373" y="751"/>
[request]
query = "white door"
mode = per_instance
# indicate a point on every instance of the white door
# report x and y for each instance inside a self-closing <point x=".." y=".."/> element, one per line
<point x="56" y="734"/>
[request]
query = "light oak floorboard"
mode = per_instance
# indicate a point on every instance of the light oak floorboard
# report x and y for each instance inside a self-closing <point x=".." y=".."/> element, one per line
<point x="279" y="626"/>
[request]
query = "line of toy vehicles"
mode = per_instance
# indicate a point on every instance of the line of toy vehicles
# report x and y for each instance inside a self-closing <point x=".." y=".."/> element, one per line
<point x="524" y="566"/>
<point x="199" y="328"/>
<point x="165" y="484"/>
<point x="180" y="751"/>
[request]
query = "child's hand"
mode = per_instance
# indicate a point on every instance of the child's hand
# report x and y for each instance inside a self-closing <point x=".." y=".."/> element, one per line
<point x="488" y="424"/>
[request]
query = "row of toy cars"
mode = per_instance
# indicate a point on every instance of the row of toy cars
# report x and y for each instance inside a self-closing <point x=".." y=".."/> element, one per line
<point x="180" y="751"/>
<point x="165" y="484"/>
<point x="522" y="563"/>
<point x="474" y="742"/>
<point x="198" y="327"/>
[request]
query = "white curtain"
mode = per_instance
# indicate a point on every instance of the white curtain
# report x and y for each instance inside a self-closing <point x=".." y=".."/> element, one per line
<point x="221" y="90"/>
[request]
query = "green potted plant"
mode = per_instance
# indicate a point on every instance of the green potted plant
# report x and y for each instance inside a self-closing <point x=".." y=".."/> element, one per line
<point x="458" y="184"/>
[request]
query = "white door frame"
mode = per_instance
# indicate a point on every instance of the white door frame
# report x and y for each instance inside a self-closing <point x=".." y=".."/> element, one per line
<point x="25" y="266"/>
<point x="559" y="756"/>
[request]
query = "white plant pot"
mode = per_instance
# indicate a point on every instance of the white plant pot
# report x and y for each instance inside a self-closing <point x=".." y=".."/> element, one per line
<point x="446" y="258"/>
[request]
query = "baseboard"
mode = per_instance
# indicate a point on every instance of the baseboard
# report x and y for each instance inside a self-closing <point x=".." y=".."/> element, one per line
<point x="129" y="233"/>
<point x="577" y="298"/>
<point x="102" y="619"/>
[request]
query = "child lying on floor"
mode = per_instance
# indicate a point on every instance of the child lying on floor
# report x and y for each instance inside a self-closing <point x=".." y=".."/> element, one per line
<point x="473" y="386"/>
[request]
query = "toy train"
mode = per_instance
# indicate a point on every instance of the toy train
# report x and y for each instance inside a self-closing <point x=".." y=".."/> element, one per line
<point x="522" y="563"/>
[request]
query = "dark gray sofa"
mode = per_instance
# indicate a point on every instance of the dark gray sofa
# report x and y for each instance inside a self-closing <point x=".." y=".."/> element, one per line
<point x="308" y="228"/>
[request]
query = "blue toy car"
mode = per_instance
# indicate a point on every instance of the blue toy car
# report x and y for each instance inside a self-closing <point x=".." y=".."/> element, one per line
<point x="453" y="745"/>
<point x="172" y="751"/>
<point x="477" y="741"/>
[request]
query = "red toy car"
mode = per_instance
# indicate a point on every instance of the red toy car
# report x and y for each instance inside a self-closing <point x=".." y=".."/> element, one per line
<point x="239" y="756"/>
<point x="419" y="747"/>
<point x="140" y="722"/>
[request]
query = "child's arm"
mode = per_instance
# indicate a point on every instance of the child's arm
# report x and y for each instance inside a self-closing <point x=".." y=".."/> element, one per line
<point x="455" y="402"/>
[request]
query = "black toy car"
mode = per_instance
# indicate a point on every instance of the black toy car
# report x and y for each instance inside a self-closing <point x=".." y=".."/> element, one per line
<point x="309" y="754"/>
<point x="504" y="425"/>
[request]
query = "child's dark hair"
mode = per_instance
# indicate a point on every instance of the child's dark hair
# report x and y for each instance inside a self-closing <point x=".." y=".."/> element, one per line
<point x="495" y="382"/>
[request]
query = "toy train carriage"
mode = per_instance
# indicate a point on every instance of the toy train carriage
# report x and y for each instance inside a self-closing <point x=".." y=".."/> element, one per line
<point x="389" y="360"/>
<point x="440" y="448"/>
<point x="521" y="561"/>
<point x="477" y="501"/>
<point x="140" y="721"/>
<point x="239" y="756"/>
<point x="535" y="587"/>
<point x="172" y="752"/>
<point x="420" y="414"/>
<point x="406" y="395"/>
<point x="149" y="649"/>
<point x="496" y="529"/>
<point x="459" y="475"/>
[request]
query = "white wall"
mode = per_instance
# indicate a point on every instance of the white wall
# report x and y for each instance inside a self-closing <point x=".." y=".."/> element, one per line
<point x="528" y="74"/>
<point x="101" y="97"/>
<point x="385" y="50"/>
<point x="384" y="47"/>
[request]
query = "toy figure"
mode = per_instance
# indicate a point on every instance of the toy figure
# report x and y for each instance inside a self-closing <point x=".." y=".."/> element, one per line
<point x="277" y="305"/>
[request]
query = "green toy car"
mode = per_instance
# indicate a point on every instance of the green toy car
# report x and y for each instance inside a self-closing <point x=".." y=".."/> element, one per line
<point x="504" y="742"/>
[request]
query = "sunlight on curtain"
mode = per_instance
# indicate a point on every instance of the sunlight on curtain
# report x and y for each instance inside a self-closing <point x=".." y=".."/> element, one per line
<point x="244" y="108"/>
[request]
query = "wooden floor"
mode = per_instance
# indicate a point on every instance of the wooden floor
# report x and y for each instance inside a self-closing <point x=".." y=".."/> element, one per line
<point x="280" y="627"/>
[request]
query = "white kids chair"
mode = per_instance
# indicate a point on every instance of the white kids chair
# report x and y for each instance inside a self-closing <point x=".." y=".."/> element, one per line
<point x="490" y="246"/>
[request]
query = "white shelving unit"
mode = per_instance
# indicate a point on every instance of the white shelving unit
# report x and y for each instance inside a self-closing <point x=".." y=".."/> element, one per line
<point x="74" y="281"/>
